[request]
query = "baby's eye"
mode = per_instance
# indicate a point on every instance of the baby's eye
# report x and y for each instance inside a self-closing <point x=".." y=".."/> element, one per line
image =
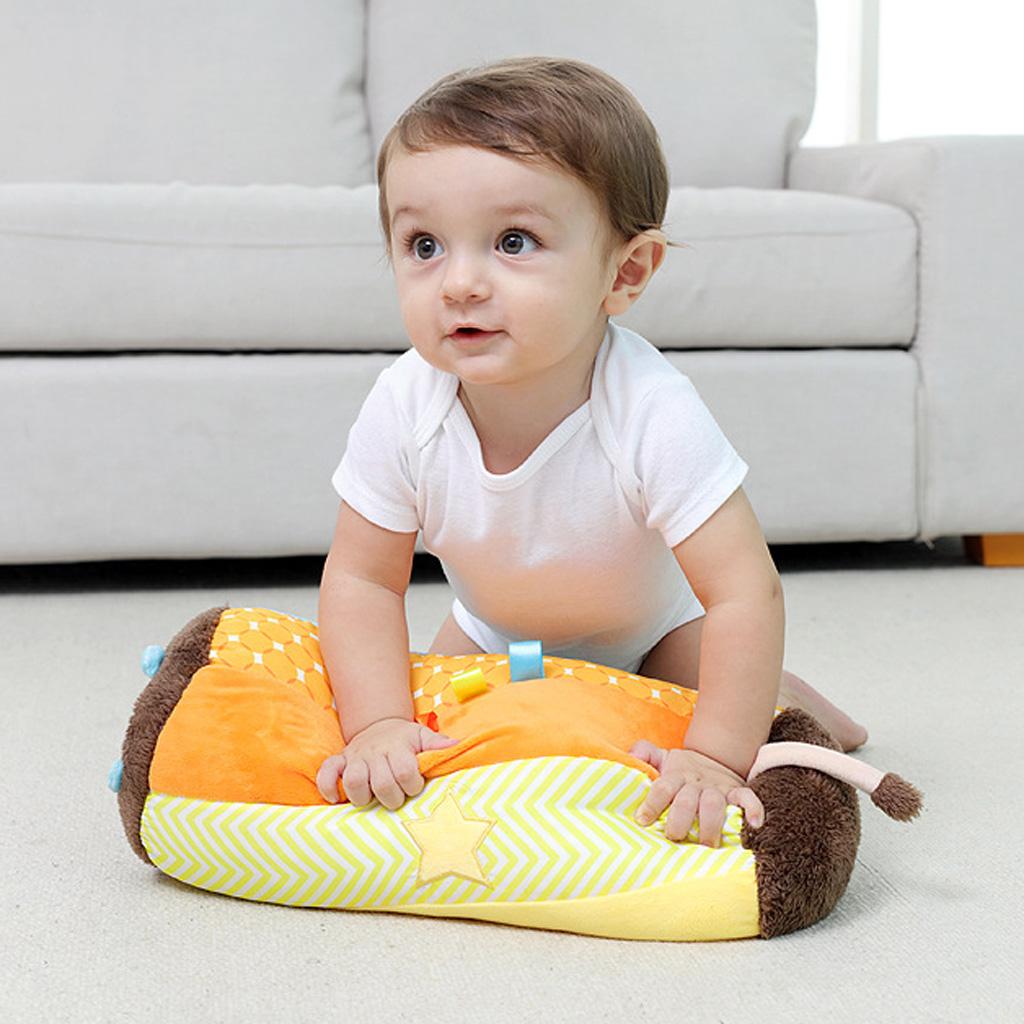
<point x="518" y="233"/>
<point x="424" y="246"/>
<point x="411" y="242"/>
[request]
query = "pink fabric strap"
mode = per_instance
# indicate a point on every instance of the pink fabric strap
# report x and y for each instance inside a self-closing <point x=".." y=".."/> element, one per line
<point x="807" y="755"/>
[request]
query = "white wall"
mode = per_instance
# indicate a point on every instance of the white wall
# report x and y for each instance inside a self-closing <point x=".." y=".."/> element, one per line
<point x="944" y="67"/>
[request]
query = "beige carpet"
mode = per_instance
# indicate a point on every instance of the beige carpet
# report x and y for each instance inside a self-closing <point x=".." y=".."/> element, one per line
<point x="924" y="648"/>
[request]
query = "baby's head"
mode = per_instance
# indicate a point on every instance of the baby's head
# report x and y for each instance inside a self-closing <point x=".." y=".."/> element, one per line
<point x="456" y="173"/>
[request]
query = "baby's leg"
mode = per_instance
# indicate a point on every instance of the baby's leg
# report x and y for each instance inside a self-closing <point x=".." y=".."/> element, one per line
<point x="794" y="692"/>
<point x="451" y="640"/>
<point x="676" y="656"/>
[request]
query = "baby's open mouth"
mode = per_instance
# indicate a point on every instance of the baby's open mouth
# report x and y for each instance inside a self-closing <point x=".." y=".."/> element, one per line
<point x="473" y="333"/>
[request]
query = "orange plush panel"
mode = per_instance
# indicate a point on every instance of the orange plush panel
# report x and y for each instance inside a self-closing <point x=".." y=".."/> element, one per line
<point x="250" y="728"/>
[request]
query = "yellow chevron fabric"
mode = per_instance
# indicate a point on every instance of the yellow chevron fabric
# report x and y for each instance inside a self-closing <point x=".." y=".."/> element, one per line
<point x="546" y="842"/>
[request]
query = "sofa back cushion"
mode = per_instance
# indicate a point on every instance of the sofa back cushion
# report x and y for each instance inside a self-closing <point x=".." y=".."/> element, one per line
<point x="729" y="84"/>
<point x="226" y="93"/>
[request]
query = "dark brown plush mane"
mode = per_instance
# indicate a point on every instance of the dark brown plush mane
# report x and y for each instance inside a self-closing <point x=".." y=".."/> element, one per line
<point x="186" y="654"/>
<point x="806" y="849"/>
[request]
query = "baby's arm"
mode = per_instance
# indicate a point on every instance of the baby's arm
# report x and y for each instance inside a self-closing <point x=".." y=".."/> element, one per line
<point x="730" y="569"/>
<point x="364" y="640"/>
<point x="364" y="636"/>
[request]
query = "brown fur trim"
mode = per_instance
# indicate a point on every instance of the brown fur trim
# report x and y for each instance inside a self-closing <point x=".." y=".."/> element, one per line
<point x="805" y="850"/>
<point x="186" y="654"/>
<point x="898" y="798"/>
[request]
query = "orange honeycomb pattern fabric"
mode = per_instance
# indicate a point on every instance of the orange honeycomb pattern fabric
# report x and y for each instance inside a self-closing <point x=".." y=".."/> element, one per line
<point x="257" y="721"/>
<point x="258" y="639"/>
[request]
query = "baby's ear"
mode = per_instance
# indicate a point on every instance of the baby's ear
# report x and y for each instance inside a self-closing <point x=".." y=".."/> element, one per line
<point x="658" y="254"/>
<point x="638" y="260"/>
<point x="652" y="244"/>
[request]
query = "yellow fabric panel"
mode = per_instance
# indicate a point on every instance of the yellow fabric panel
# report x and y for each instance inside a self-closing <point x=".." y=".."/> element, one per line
<point x="706" y="909"/>
<point x="547" y="842"/>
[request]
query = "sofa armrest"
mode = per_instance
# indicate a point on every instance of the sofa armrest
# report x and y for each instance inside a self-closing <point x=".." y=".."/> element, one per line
<point x="967" y="195"/>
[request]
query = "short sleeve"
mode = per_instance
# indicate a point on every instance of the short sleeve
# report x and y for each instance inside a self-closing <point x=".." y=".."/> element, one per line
<point x="373" y="475"/>
<point x="685" y="464"/>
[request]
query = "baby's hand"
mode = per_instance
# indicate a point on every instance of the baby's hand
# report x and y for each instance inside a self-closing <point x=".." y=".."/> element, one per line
<point x="690" y="781"/>
<point x="380" y="761"/>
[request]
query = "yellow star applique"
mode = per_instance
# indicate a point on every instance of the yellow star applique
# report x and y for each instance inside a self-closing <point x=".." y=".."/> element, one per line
<point x="448" y="842"/>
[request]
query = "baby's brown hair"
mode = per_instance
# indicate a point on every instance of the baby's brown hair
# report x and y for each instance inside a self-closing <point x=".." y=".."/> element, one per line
<point x="566" y="112"/>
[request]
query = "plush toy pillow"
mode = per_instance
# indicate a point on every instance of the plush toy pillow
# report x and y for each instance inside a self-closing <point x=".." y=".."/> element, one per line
<point x="527" y="820"/>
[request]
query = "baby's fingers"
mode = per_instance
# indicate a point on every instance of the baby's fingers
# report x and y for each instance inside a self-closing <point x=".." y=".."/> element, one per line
<point x="660" y="794"/>
<point x="406" y="771"/>
<point x="753" y="809"/>
<point x="328" y="775"/>
<point x="383" y="784"/>
<point x="711" y="818"/>
<point x="356" y="781"/>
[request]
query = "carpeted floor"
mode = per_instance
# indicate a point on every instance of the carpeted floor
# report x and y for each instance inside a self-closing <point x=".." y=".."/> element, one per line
<point x="922" y="647"/>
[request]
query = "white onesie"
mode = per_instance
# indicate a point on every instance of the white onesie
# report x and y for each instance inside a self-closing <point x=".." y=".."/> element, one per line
<point x="574" y="546"/>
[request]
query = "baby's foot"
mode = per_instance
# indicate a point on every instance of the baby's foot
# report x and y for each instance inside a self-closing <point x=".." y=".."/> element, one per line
<point x="794" y="692"/>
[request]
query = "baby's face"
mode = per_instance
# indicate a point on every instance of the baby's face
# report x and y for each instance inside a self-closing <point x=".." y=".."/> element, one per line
<point x="536" y="282"/>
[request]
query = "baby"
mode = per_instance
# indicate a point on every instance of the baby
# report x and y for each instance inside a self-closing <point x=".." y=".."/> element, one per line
<point x="574" y="486"/>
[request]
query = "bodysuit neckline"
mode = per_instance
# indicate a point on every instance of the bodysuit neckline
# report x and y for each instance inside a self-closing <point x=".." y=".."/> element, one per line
<point x="552" y="443"/>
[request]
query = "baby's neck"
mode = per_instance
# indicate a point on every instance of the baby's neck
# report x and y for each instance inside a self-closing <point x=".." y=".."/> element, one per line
<point x="511" y="420"/>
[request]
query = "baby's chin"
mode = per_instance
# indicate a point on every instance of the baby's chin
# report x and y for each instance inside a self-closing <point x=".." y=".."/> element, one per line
<point x="489" y="365"/>
<point x="498" y="374"/>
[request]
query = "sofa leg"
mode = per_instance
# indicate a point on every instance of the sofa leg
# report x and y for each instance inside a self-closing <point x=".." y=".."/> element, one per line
<point x="996" y="548"/>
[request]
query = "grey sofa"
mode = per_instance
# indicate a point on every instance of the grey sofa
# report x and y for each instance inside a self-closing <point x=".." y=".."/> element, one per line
<point x="194" y="299"/>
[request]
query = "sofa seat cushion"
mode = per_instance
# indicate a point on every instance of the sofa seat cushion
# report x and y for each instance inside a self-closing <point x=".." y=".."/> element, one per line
<point x="267" y="267"/>
<point x="195" y="455"/>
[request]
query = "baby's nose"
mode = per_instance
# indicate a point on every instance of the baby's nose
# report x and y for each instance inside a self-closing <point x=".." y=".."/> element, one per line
<point x="464" y="280"/>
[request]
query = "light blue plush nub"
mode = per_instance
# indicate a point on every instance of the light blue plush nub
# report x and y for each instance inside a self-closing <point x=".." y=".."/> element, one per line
<point x="525" y="660"/>
<point x="152" y="657"/>
<point x="114" y="776"/>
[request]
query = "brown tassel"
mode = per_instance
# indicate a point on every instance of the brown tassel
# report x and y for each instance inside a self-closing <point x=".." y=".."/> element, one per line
<point x="897" y="797"/>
